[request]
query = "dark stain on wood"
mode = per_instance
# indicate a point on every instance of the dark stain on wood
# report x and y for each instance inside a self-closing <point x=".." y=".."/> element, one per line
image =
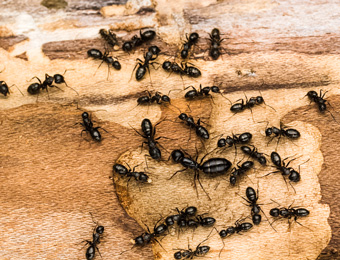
<point x="7" y="42"/>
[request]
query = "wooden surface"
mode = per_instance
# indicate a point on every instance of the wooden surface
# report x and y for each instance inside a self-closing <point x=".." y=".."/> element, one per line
<point x="51" y="178"/>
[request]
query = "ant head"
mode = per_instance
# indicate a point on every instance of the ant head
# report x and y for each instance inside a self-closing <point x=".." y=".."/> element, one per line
<point x="58" y="78"/>
<point x="178" y="255"/>
<point x="85" y="115"/>
<point x="177" y="155"/>
<point x="215" y="33"/>
<point x="202" y="250"/>
<point x="215" y="89"/>
<point x="193" y="37"/>
<point x="190" y="211"/>
<point x="269" y="131"/>
<point x="120" y="169"/>
<point x="312" y="94"/>
<point x="167" y="65"/>
<point x="275" y="212"/>
<point x="165" y="98"/>
<point x="183" y="116"/>
<point x="154" y="50"/>
<point x="248" y="165"/>
<point x="148" y="35"/>
<point x="100" y="229"/>
<point x="221" y="142"/>
<point x="259" y="100"/>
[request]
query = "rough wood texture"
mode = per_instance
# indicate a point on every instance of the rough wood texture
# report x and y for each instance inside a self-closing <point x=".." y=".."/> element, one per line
<point x="51" y="178"/>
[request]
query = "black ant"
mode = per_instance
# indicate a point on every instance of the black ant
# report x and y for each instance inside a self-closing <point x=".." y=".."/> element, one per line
<point x="88" y="125"/>
<point x="201" y="131"/>
<point x="137" y="41"/>
<point x="288" y="213"/>
<point x="139" y="176"/>
<point x="253" y="153"/>
<point x="320" y="101"/>
<point x="248" y="104"/>
<point x="109" y="60"/>
<point x="239" y="227"/>
<point x="240" y="171"/>
<point x="182" y="217"/>
<point x="202" y="92"/>
<point x="35" y="88"/>
<point x="252" y="198"/>
<point x="182" y="69"/>
<point x="4" y="89"/>
<point x="110" y="37"/>
<point x="191" y="40"/>
<point x="143" y="66"/>
<point x="190" y="254"/>
<point x="283" y="168"/>
<point x="91" y="250"/>
<point x="215" y="40"/>
<point x="150" y="99"/>
<point x="149" y="134"/>
<point x="211" y="167"/>
<point x="234" y="140"/>
<point x="281" y="132"/>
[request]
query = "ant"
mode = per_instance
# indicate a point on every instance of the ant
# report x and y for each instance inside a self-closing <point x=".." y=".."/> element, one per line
<point x="182" y="69"/>
<point x="4" y="89"/>
<point x="248" y="104"/>
<point x="91" y="250"/>
<point x="282" y="131"/>
<point x="283" y="168"/>
<point x="191" y="40"/>
<point x="215" y="40"/>
<point x="190" y="254"/>
<point x="253" y="153"/>
<point x="137" y="41"/>
<point x="147" y="237"/>
<point x="320" y="101"/>
<point x="288" y="213"/>
<point x="149" y="134"/>
<point x="239" y="171"/>
<point x="239" y="227"/>
<point x="202" y="92"/>
<point x="35" y="88"/>
<point x="88" y="125"/>
<point x="182" y="217"/>
<point x="234" y="140"/>
<point x="201" y="131"/>
<point x="139" y="176"/>
<point x="144" y="66"/>
<point x="109" y="60"/>
<point x="211" y="167"/>
<point x="150" y="99"/>
<point x="252" y="198"/>
<point x="110" y="37"/>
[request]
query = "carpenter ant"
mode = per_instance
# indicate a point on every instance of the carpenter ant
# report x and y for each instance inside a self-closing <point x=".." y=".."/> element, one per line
<point x="35" y="88"/>
<point x="88" y="125"/>
<point x="282" y="131"/>
<point x="239" y="171"/>
<point x="215" y="40"/>
<point x="139" y="176"/>
<point x="201" y="131"/>
<point x="149" y="134"/>
<point x="211" y="167"/>
<point x="137" y="41"/>
<point x="109" y="60"/>
<point x="283" y="168"/>
<point x="154" y="50"/>
<point x="288" y="213"/>
<point x="253" y="153"/>
<point x="202" y="92"/>
<point x="182" y="218"/>
<point x="147" y="237"/>
<point x="239" y="227"/>
<point x="234" y="140"/>
<point x="4" y="88"/>
<point x="91" y="250"/>
<point x="191" y="40"/>
<point x="320" y="101"/>
<point x="248" y="104"/>
<point x="150" y="99"/>
<point x="182" y="69"/>
<point x="144" y="66"/>
<point x="110" y="37"/>
<point x="190" y="254"/>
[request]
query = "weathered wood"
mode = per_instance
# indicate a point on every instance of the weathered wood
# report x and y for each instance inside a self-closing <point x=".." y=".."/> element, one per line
<point x="52" y="178"/>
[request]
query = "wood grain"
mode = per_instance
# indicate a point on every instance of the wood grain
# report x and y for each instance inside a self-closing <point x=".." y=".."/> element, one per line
<point x="52" y="178"/>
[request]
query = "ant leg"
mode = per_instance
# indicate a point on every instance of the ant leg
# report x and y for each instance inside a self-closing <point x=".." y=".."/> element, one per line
<point x="292" y="187"/>
<point x="17" y="89"/>
<point x="104" y="130"/>
<point x="137" y="131"/>
<point x="98" y="67"/>
<point x="177" y="172"/>
<point x="198" y="179"/>
<point x="35" y="77"/>
<point x="99" y="252"/>
<point x="269" y="174"/>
